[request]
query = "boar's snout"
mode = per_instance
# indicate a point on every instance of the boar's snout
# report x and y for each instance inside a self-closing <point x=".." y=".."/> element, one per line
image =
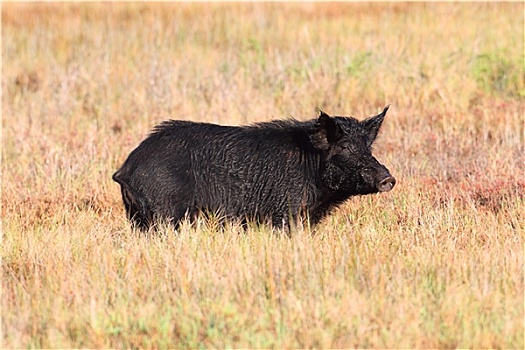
<point x="377" y="179"/>
<point x="386" y="184"/>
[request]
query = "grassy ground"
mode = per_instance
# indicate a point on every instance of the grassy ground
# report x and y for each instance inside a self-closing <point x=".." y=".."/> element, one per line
<point x="437" y="262"/>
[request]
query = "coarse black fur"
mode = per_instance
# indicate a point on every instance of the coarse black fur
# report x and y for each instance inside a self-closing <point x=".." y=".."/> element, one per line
<point x="268" y="172"/>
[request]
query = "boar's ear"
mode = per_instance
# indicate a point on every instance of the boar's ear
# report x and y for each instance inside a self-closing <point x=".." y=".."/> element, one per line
<point x="373" y="124"/>
<point x="326" y="131"/>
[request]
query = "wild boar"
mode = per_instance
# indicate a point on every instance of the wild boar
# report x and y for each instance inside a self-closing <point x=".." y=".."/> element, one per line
<point x="272" y="172"/>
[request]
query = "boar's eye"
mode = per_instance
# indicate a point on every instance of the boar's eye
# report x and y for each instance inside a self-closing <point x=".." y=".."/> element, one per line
<point x="348" y="149"/>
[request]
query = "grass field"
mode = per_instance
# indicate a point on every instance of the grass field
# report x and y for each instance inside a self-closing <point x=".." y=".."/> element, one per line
<point x="436" y="263"/>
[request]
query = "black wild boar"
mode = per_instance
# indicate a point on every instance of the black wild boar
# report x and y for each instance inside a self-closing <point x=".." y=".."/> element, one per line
<point x="274" y="171"/>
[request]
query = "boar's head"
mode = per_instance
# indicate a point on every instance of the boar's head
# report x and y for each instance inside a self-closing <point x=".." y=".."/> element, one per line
<point x="348" y="166"/>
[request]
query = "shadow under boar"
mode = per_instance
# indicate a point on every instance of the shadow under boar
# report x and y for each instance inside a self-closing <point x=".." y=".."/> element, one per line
<point x="268" y="172"/>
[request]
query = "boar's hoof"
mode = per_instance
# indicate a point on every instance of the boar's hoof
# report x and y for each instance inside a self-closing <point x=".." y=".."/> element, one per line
<point x="386" y="184"/>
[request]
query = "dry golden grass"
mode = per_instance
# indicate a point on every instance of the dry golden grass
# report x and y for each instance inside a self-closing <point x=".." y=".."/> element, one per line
<point x="437" y="262"/>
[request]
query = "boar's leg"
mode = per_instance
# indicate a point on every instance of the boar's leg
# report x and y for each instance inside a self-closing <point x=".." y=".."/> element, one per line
<point x="136" y="208"/>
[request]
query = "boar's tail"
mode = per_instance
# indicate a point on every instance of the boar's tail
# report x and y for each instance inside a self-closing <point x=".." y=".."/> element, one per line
<point x="136" y="207"/>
